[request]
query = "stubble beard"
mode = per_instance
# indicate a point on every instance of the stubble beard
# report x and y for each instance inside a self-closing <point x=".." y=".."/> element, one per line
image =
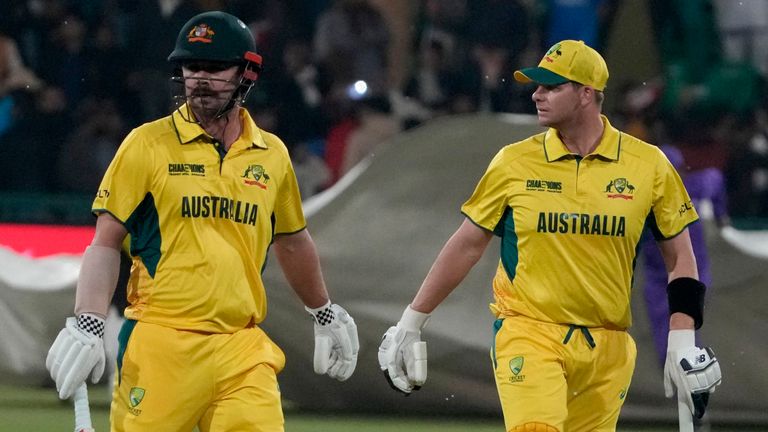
<point x="207" y="103"/>
<point x="206" y="106"/>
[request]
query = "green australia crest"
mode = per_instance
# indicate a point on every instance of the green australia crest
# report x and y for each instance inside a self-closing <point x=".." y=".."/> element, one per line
<point x="135" y="396"/>
<point x="516" y="365"/>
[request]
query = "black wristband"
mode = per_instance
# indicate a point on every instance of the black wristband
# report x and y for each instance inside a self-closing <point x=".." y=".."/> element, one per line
<point x="686" y="295"/>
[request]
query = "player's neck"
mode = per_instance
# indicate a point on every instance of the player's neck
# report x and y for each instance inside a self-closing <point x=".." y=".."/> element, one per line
<point x="582" y="135"/>
<point x="225" y="129"/>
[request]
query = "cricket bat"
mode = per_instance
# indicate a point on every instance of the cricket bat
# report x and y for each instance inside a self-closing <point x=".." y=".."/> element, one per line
<point x="685" y="419"/>
<point x="82" y="410"/>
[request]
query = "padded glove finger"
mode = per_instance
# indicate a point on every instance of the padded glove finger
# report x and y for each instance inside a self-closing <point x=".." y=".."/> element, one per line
<point x="323" y="349"/>
<point x="417" y="371"/>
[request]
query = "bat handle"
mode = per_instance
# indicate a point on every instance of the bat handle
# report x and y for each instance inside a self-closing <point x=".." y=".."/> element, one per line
<point x="82" y="410"/>
<point x="685" y="419"/>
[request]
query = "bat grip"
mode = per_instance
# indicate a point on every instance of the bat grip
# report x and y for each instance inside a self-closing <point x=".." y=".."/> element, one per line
<point x="685" y="419"/>
<point x="82" y="410"/>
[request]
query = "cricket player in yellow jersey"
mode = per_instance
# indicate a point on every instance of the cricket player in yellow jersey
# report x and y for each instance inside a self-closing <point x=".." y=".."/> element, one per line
<point x="569" y="205"/>
<point x="203" y="194"/>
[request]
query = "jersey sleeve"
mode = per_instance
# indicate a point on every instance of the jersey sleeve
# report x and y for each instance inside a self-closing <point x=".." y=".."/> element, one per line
<point x="672" y="209"/>
<point x="127" y="180"/>
<point x="289" y="214"/>
<point x="488" y="202"/>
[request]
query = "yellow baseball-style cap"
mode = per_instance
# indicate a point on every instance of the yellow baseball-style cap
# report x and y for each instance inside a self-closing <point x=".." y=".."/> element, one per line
<point x="568" y="60"/>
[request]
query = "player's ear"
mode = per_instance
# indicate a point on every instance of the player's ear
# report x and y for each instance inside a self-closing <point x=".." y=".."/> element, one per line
<point x="587" y="94"/>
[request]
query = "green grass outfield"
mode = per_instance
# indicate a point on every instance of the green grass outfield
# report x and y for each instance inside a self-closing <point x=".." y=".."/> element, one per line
<point x="35" y="409"/>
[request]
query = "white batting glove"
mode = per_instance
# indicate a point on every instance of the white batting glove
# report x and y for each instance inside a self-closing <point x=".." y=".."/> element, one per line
<point x="77" y="352"/>
<point x="336" y="343"/>
<point x="402" y="353"/>
<point x="694" y="372"/>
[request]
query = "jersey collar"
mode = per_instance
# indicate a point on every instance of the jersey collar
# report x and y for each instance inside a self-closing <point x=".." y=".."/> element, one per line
<point x="609" y="147"/>
<point x="189" y="132"/>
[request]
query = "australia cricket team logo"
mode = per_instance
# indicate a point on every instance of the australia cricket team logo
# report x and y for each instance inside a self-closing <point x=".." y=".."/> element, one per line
<point x="135" y="395"/>
<point x="617" y="187"/>
<point x="201" y="33"/>
<point x="553" y="53"/>
<point x="516" y="367"/>
<point x="255" y="175"/>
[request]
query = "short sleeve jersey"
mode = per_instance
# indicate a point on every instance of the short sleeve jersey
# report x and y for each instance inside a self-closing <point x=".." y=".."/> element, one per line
<point x="200" y="225"/>
<point x="570" y="226"/>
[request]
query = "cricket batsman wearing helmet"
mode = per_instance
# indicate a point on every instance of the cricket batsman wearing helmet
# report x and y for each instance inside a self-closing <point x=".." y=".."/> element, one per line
<point x="569" y="205"/>
<point x="203" y="194"/>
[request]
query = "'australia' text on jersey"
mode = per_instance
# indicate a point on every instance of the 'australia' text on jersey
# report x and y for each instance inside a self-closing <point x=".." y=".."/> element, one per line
<point x="219" y="207"/>
<point x="581" y="223"/>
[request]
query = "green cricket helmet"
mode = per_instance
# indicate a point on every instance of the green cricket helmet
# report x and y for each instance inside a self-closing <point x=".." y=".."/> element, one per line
<point x="217" y="36"/>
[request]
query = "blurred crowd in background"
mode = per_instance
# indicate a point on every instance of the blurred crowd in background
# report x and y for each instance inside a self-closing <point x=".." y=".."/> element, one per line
<point x="341" y="77"/>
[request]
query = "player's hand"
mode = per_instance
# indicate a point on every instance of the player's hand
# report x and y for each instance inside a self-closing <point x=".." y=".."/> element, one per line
<point x="402" y="353"/>
<point x="694" y="372"/>
<point x="336" y="342"/>
<point x="77" y="352"/>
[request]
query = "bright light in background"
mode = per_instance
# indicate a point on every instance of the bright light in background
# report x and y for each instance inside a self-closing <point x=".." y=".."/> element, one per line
<point x="357" y="90"/>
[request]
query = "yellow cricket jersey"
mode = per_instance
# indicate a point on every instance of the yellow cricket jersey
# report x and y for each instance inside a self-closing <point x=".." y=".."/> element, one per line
<point x="200" y="226"/>
<point x="570" y="226"/>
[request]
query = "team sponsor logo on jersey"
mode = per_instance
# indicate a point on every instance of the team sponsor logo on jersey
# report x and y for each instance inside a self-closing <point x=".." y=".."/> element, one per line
<point x="135" y="395"/>
<point x="581" y="223"/>
<point x="255" y="175"/>
<point x="616" y="188"/>
<point x="516" y="366"/>
<point x="685" y="207"/>
<point x="186" y="169"/>
<point x="219" y="208"/>
<point x="553" y="53"/>
<point x="102" y="193"/>
<point x="543" y="186"/>
<point x="201" y="33"/>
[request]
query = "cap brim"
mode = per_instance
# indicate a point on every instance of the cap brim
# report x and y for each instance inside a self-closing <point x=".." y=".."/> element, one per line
<point x="539" y="75"/>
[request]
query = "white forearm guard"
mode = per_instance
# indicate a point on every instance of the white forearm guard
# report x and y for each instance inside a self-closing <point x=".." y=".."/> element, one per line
<point x="98" y="277"/>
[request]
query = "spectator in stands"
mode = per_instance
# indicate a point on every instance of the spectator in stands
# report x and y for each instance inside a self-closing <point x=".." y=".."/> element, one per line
<point x="587" y="20"/>
<point x="107" y="64"/>
<point x="444" y="22"/>
<point x="498" y="34"/>
<point x="434" y="82"/>
<point x="14" y="77"/>
<point x="150" y="34"/>
<point x="296" y="93"/>
<point x="29" y="148"/>
<point x="351" y="41"/>
<point x="62" y="61"/>
<point x="33" y="24"/>
<point x="87" y="151"/>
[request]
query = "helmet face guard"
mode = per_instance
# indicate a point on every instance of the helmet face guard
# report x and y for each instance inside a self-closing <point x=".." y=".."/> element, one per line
<point x="217" y="37"/>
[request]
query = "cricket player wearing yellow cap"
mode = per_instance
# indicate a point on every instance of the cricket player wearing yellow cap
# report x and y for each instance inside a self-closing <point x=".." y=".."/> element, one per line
<point x="569" y="205"/>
